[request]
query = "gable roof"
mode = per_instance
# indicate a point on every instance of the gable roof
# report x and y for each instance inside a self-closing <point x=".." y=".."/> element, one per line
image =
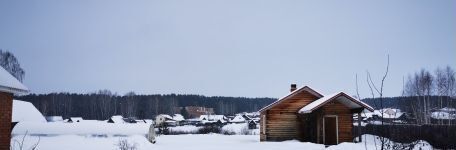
<point x="346" y="100"/>
<point x="10" y="84"/>
<point x="304" y="88"/>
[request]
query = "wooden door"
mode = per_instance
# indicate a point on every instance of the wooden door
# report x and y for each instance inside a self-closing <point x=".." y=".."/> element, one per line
<point x="330" y="130"/>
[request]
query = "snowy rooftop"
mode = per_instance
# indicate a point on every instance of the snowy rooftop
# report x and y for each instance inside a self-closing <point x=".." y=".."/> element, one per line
<point x="25" y="111"/>
<point x="10" y="84"/>
<point x="341" y="97"/>
<point x="443" y="115"/>
<point x="212" y="117"/>
<point x="238" y="118"/>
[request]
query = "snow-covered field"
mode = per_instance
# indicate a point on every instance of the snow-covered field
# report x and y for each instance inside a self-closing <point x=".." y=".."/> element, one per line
<point x="187" y="142"/>
<point x="90" y="134"/>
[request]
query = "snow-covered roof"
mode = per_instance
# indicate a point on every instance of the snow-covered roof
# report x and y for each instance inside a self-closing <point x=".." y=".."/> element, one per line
<point x="10" y="84"/>
<point x="340" y="97"/>
<point x="166" y="116"/>
<point x="443" y="115"/>
<point x="212" y="117"/>
<point x="178" y="117"/>
<point x="25" y="111"/>
<point x="304" y="88"/>
<point x="238" y="118"/>
<point x="388" y="113"/>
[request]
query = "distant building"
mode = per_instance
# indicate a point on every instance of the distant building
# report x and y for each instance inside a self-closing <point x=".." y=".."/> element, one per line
<point x="166" y="119"/>
<point x="74" y="119"/>
<point x="213" y="119"/>
<point x="444" y="116"/>
<point x="389" y="115"/>
<point x="238" y="119"/>
<point x="252" y="125"/>
<point x="196" y="111"/>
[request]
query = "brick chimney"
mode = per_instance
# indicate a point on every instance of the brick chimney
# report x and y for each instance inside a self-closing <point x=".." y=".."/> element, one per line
<point x="292" y="87"/>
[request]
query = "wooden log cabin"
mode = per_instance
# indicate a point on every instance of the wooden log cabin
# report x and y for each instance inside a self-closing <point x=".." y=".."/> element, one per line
<point x="306" y="115"/>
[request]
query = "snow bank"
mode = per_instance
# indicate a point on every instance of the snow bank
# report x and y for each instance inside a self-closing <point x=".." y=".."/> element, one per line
<point x="191" y="142"/>
<point x="86" y="127"/>
<point x="240" y="129"/>
<point x="185" y="129"/>
<point x="26" y="112"/>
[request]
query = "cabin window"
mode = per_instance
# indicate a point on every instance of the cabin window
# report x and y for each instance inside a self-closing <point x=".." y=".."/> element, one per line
<point x="264" y="124"/>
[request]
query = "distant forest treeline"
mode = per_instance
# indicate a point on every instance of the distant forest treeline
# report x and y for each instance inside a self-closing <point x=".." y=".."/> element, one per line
<point x="102" y="104"/>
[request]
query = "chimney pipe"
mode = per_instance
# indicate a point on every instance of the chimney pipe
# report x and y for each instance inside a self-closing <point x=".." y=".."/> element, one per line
<point x="293" y="87"/>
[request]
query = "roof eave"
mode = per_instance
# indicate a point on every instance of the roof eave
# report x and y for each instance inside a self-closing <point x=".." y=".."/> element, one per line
<point x="13" y="90"/>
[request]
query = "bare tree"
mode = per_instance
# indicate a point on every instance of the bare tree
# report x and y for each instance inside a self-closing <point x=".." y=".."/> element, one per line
<point x="9" y="62"/>
<point x="421" y="86"/>
<point x="379" y="91"/>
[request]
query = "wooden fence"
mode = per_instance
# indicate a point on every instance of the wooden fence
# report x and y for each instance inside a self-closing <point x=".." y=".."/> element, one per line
<point x="439" y="136"/>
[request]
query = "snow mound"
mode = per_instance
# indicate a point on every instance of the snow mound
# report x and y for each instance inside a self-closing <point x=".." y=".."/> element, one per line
<point x="26" y="112"/>
<point x="86" y="127"/>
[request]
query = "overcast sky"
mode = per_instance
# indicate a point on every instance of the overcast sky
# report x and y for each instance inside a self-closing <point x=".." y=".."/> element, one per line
<point x="252" y="48"/>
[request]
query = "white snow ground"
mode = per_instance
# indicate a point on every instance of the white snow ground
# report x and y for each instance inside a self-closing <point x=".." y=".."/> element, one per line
<point x="187" y="142"/>
<point x="166" y="142"/>
<point x="90" y="134"/>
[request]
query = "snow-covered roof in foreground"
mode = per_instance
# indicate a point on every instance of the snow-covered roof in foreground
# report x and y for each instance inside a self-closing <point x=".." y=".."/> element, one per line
<point x="10" y="84"/>
<point x="25" y="111"/>
<point x="341" y="97"/>
<point x="304" y="88"/>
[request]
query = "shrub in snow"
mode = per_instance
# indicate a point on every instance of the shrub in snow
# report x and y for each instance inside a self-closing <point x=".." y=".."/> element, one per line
<point x="123" y="144"/>
<point x="209" y="129"/>
<point x="19" y="144"/>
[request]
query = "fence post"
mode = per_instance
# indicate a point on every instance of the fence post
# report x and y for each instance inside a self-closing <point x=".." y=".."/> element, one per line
<point x="360" y="139"/>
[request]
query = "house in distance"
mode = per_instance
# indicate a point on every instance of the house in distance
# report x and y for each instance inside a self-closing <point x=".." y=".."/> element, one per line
<point x="306" y="115"/>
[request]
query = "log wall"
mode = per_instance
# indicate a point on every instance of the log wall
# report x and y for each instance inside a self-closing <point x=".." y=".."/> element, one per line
<point x="281" y="121"/>
<point x="345" y="120"/>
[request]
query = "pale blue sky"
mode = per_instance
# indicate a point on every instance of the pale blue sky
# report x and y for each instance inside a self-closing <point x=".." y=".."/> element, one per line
<point x="252" y="48"/>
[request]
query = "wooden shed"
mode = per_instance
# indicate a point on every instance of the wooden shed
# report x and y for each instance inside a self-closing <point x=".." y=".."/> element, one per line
<point x="306" y="115"/>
